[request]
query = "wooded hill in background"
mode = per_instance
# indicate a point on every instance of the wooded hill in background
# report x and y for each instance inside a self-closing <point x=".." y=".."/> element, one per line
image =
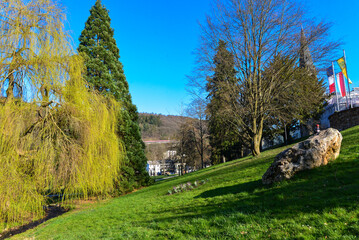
<point x="159" y="127"/>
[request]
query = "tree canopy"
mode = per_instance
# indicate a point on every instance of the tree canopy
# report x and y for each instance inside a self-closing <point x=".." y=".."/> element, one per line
<point x="256" y="33"/>
<point x="33" y="57"/>
<point x="105" y="74"/>
<point x="62" y="140"/>
<point x="224" y="138"/>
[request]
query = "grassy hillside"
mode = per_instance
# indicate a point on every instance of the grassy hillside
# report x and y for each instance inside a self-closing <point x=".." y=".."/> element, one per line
<point x="317" y="204"/>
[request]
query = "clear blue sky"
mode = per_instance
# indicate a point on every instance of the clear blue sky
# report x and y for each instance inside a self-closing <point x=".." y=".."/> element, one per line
<point x="156" y="39"/>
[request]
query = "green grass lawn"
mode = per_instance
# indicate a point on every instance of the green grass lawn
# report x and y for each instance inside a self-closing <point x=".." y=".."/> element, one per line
<point x="317" y="204"/>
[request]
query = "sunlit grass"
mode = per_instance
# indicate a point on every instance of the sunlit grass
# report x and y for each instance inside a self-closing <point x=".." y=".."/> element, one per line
<point x="316" y="204"/>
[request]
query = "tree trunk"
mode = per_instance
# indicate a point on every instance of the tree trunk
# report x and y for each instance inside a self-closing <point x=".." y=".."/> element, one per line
<point x="257" y="138"/>
<point x="10" y="89"/>
<point x="202" y="161"/>
<point x="256" y="146"/>
<point x="285" y="135"/>
<point x="44" y="93"/>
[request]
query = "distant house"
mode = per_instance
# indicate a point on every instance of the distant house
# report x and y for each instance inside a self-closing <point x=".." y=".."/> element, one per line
<point x="164" y="165"/>
<point x="154" y="168"/>
<point x="169" y="164"/>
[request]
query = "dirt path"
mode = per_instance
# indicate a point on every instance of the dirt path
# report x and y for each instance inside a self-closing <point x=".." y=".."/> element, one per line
<point x="51" y="212"/>
<point x="160" y="179"/>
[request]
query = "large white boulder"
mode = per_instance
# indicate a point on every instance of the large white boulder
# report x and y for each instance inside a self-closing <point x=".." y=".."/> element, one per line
<point x="316" y="151"/>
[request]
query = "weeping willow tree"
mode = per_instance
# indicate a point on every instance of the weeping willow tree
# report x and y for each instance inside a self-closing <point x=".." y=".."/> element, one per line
<point x="56" y="136"/>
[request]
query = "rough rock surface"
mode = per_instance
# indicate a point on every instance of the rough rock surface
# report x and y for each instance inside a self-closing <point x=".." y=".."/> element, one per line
<point x="316" y="151"/>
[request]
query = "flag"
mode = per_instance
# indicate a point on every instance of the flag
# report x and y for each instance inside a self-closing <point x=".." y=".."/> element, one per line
<point x="343" y="67"/>
<point x="331" y="79"/>
<point x="341" y="85"/>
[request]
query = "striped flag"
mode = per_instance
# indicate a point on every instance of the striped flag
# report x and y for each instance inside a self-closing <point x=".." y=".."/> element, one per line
<point x="341" y="85"/>
<point x="343" y="67"/>
<point x="331" y="79"/>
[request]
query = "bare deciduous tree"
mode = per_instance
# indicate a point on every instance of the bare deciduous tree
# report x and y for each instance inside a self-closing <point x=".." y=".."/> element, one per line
<point x="185" y="148"/>
<point x="256" y="32"/>
<point x="197" y="110"/>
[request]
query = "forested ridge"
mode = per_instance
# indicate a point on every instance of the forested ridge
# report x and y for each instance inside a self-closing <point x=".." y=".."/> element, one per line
<point x="159" y="127"/>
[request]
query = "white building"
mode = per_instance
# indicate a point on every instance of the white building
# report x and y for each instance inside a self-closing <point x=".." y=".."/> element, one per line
<point x="153" y="168"/>
<point x="165" y="165"/>
<point x="170" y="154"/>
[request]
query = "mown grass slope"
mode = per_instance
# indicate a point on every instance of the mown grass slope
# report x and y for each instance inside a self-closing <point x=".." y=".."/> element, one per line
<point x="316" y="204"/>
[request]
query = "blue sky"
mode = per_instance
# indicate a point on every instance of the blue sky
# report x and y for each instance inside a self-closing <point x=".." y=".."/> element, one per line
<point x="157" y="38"/>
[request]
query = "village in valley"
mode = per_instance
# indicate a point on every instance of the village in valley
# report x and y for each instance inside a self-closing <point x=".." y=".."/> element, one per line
<point x="206" y="119"/>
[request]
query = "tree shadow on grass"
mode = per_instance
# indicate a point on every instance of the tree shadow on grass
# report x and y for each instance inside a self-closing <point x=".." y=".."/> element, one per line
<point x="247" y="187"/>
<point x="216" y="173"/>
<point x="313" y="191"/>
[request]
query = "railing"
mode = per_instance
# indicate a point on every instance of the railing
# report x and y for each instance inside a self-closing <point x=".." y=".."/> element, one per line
<point x="342" y="103"/>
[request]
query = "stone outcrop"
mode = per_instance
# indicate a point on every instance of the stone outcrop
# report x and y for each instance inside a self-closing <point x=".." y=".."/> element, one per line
<point x="316" y="151"/>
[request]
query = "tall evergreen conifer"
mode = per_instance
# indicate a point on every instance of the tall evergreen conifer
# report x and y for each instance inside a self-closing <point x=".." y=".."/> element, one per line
<point x="221" y="89"/>
<point x="105" y="74"/>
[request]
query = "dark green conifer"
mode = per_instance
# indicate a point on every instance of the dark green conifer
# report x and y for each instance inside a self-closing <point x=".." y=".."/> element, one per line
<point x="105" y="74"/>
<point x="222" y="93"/>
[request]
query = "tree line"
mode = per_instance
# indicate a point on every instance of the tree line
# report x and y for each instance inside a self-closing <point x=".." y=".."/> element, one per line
<point x="258" y="75"/>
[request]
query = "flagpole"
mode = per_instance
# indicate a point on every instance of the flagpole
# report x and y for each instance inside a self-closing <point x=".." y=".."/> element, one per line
<point x="346" y="68"/>
<point x="336" y="92"/>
